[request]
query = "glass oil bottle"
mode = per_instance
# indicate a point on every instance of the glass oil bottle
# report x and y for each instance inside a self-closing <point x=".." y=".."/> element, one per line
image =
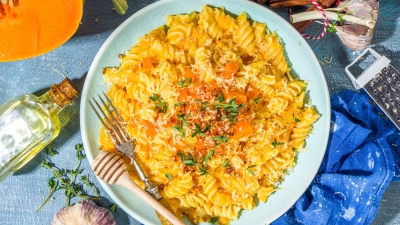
<point x="28" y="123"/>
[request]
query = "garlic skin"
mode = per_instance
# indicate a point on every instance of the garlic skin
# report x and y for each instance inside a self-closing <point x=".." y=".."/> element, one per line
<point x="85" y="212"/>
<point x="355" y="36"/>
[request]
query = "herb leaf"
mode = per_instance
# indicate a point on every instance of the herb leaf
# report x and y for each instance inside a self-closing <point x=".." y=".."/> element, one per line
<point x="214" y="219"/>
<point x="332" y="27"/>
<point x="169" y="176"/>
<point x="50" y="151"/>
<point x="276" y="144"/>
<point x="225" y="164"/>
<point x="220" y="139"/>
<point x="181" y="131"/>
<point x="198" y="130"/>
<point x="179" y="104"/>
<point x="183" y="118"/>
<point x="113" y="208"/>
<point x="186" y="82"/>
<point x="295" y="118"/>
<point x="161" y="104"/>
<point x="249" y="169"/>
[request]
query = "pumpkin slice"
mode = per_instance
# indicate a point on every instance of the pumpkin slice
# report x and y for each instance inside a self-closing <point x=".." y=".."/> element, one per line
<point x="30" y="28"/>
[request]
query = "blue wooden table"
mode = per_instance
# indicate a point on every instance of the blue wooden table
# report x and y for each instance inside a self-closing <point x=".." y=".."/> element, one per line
<point x="22" y="193"/>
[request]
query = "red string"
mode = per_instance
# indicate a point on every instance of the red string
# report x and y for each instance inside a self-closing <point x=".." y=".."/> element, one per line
<point x="325" y="21"/>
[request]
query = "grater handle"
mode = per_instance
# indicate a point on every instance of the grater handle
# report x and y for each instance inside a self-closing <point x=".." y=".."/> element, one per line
<point x="370" y="72"/>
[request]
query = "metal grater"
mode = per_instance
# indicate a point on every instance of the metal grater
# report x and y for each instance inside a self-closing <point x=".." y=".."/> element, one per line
<point x="382" y="82"/>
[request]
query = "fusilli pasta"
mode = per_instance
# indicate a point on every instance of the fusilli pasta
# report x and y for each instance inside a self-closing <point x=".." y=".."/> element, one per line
<point x="217" y="118"/>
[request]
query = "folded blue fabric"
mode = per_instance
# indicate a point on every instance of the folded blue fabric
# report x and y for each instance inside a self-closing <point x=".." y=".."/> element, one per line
<point x="362" y="158"/>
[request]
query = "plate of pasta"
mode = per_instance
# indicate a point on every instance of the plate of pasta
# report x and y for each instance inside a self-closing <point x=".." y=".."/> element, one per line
<point x="227" y="103"/>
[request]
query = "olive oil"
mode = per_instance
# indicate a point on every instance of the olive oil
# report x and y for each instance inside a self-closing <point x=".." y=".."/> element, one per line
<point x="28" y="123"/>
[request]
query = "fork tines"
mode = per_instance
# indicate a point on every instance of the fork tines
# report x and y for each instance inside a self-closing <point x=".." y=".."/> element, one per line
<point x="113" y="124"/>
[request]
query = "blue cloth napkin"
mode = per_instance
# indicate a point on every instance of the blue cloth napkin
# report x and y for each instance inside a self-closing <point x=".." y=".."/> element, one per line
<point x="362" y="158"/>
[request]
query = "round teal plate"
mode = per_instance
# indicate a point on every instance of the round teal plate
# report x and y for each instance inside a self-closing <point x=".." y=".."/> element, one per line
<point x="301" y="59"/>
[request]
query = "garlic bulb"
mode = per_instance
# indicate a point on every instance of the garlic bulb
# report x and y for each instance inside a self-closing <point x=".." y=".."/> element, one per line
<point x="364" y="9"/>
<point x="355" y="36"/>
<point x="360" y="16"/>
<point x="83" y="213"/>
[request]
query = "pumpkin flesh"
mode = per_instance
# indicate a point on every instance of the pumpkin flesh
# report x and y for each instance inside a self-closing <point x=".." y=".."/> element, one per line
<point x="29" y="28"/>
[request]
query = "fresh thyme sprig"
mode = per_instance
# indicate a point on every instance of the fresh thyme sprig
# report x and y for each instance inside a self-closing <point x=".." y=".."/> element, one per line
<point x="65" y="179"/>
<point x="50" y="151"/>
<point x="190" y="160"/>
<point x="180" y="129"/>
<point x="208" y="157"/>
<point x="183" y="118"/>
<point x="161" y="104"/>
<point x="199" y="131"/>
<point x="231" y="109"/>
<point x="220" y="139"/>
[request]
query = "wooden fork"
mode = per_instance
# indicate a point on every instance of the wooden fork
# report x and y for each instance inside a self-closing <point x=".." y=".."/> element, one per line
<point x="111" y="169"/>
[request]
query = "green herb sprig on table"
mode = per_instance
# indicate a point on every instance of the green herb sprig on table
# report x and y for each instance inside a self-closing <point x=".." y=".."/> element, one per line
<point x="113" y="208"/>
<point x="72" y="182"/>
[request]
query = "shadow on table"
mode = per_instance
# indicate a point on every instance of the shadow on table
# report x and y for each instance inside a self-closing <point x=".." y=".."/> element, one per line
<point x="99" y="16"/>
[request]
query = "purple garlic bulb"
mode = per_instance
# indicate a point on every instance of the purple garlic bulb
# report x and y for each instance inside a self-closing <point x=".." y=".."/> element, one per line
<point x="83" y="212"/>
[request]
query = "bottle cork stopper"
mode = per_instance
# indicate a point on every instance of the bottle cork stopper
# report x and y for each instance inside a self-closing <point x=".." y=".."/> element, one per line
<point x="63" y="93"/>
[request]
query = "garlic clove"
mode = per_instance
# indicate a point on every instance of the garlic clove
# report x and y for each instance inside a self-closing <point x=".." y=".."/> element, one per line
<point x="85" y="212"/>
<point x="355" y="36"/>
